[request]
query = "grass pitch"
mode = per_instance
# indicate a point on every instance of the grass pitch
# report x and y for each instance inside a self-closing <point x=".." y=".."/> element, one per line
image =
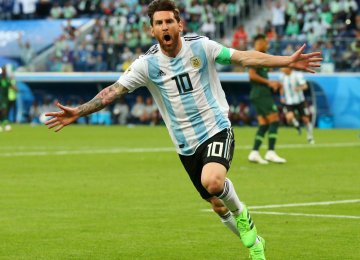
<point x="93" y="192"/>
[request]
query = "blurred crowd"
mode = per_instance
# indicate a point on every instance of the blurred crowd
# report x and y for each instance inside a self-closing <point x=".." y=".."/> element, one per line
<point x="329" y="26"/>
<point x="120" y="31"/>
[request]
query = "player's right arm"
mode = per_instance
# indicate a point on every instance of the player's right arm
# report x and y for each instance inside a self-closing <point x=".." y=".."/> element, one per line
<point x="68" y="115"/>
<point x="257" y="78"/>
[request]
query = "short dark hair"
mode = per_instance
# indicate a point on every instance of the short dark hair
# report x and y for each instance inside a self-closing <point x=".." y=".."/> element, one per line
<point x="259" y="36"/>
<point x="163" y="5"/>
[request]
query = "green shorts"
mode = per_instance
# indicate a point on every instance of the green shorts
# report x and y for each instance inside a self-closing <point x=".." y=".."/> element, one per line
<point x="264" y="106"/>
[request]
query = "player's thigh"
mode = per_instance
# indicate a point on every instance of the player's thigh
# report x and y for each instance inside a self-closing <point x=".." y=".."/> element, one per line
<point x="272" y="117"/>
<point x="193" y="165"/>
<point x="217" y="156"/>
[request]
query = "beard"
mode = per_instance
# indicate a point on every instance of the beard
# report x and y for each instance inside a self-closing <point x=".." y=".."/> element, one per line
<point x="169" y="43"/>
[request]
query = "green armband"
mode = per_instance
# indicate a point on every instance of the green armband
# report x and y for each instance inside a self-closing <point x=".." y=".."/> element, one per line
<point x="224" y="57"/>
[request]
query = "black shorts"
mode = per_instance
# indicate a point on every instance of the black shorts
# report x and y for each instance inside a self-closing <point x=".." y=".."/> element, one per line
<point x="219" y="149"/>
<point x="301" y="109"/>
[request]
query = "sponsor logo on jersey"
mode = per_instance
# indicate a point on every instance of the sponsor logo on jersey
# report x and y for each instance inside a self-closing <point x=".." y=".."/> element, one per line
<point x="161" y="74"/>
<point x="195" y="62"/>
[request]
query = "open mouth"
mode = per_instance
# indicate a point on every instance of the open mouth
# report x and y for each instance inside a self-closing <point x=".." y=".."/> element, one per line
<point x="167" y="38"/>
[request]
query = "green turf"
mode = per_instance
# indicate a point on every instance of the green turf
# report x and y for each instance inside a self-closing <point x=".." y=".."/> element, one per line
<point x="58" y="200"/>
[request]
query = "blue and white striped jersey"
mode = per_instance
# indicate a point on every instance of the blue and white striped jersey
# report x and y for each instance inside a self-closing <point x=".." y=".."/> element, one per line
<point x="290" y="82"/>
<point x="186" y="89"/>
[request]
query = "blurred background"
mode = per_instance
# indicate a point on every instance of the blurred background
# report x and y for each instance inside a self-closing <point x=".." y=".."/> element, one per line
<point x="68" y="50"/>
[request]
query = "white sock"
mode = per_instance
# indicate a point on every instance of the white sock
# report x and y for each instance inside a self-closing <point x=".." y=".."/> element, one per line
<point x="230" y="198"/>
<point x="295" y="122"/>
<point x="309" y="130"/>
<point x="229" y="221"/>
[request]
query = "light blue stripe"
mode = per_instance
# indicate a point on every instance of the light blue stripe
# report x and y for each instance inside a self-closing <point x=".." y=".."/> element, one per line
<point x="154" y="68"/>
<point x="221" y="121"/>
<point x="189" y="104"/>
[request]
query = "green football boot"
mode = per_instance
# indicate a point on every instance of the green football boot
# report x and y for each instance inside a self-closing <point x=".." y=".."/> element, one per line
<point x="246" y="228"/>
<point x="257" y="252"/>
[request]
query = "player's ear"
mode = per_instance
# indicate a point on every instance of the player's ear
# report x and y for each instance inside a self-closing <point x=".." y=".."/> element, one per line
<point x="181" y="26"/>
<point x="152" y="31"/>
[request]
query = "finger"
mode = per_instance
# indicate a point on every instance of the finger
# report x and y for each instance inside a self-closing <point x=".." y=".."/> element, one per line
<point x="61" y="106"/>
<point x="53" y="125"/>
<point x="54" y="113"/>
<point x="301" y="49"/>
<point x="314" y="65"/>
<point x="310" y="70"/>
<point x="59" y="128"/>
<point x="50" y="121"/>
<point x="315" y="59"/>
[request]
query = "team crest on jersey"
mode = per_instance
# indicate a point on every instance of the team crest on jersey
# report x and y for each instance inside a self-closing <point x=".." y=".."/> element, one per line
<point x="195" y="62"/>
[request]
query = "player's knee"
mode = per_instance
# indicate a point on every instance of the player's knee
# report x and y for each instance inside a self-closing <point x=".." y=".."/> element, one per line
<point x="214" y="185"/>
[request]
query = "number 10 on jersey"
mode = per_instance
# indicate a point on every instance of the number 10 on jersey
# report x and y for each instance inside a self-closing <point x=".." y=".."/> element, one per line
<point x="183" y="83"/>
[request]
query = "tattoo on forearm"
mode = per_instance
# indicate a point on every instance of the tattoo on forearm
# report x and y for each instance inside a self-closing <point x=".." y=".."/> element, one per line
<point x="102" y="99"/>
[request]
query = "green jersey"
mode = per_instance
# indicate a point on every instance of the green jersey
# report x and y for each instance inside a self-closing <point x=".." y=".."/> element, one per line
<point x="259" y="90"/>
<point x="5" y="84"/>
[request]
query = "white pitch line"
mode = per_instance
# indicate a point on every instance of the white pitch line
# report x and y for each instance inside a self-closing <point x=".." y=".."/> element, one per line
<point x="303" y="214"/>
<point x="319" y="203"/>
<point x="305" y="204"/>
<point x="90" y="151"/>
<point x="149" y="150"/>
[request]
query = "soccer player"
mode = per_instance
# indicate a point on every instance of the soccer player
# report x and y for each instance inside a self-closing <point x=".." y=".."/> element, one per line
<point x="261" y="96"/>
<point x="6" y="83"/>
<point x="180" y="74"/>
<point x="292" y="96"/>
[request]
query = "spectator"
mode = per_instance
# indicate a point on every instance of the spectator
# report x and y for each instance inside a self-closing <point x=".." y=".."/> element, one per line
<point x="26" y="52"/>
<point x="292" y="28"/>
<point x="278" y="18"/>
<point x="137" y="111"/>
<point x="328" y="54"/>
<point x="208" y="27"/>
<point x="239" y="36"/>
<point x="69" y="11"/>
<point x="100" y="64"/>
<point x="151" y="114"/>
<point x="288" y="50"/>
<point x="121" y="112"/>
<point x="56" y="11"/>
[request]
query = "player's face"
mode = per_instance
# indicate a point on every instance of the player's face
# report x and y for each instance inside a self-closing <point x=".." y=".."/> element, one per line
<point x="167" y="31"/>
<point x="261" y="45"/>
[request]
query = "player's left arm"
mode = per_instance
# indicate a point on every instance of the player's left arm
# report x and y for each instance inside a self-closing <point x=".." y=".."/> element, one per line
<point x="298" y="60"/>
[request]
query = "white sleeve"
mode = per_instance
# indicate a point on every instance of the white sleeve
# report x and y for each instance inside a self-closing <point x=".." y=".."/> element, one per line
<point x="300" y="78"/>
<point x="213" y="48"/>
<point x="135" y="76"/>
<point x="217" y="52"/>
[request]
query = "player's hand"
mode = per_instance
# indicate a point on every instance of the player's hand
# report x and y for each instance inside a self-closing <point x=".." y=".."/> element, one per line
<point x="62" y="118"/>
<point x="298" y="89"/>
<point x="305" y="62"/>
<point x="275" y="85"/>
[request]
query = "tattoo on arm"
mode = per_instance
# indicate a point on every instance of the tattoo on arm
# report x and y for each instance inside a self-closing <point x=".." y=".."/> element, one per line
<point x="102" y="99"/>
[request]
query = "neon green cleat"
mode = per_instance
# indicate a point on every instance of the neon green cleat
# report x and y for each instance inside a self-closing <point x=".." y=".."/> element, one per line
<point x="257" y="252"/>
<point x="246" y="228"/>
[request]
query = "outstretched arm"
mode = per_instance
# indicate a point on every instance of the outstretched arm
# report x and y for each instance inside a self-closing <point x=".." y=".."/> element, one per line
<point x="69" y="115"/>
<point x="298" y="60"/>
